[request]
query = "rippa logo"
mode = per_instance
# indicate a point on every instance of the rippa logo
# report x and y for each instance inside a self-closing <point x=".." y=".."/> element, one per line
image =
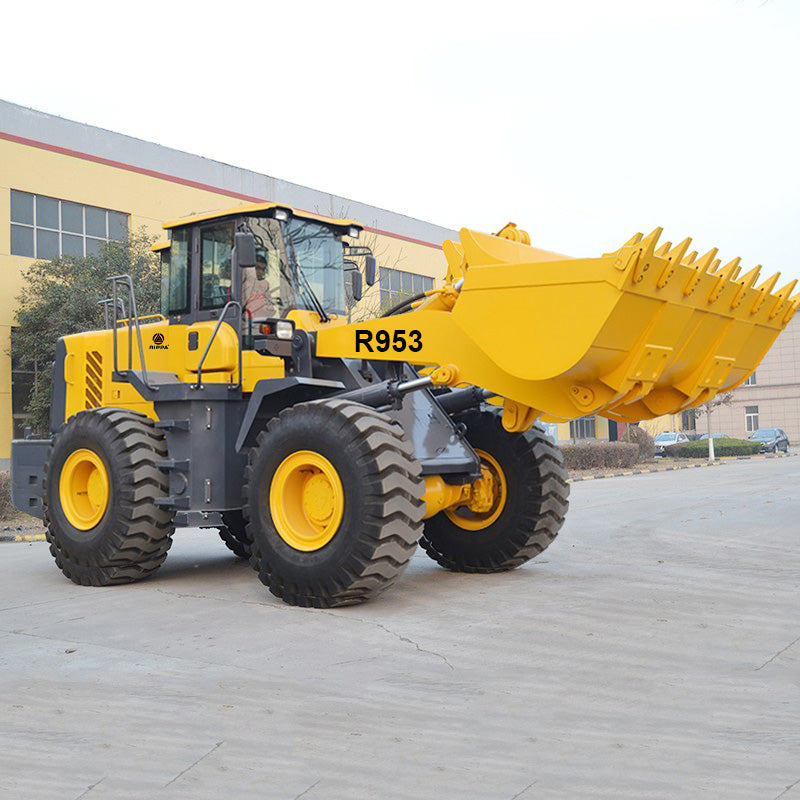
<point x="158" y="342"/>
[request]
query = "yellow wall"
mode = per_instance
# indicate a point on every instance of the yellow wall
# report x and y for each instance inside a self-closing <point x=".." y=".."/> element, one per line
<point x="600" y="430"/>
<point x="149" y="201"/>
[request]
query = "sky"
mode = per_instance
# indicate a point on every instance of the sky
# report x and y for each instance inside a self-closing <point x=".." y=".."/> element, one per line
<point x="583" y="122"/>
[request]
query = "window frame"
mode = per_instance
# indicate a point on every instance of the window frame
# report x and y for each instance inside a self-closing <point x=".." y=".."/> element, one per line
<point x="749" y="416"/>
<point x="387" y="276"/>
<point x="234" y="294"/>
<point x="583" y="428"/>
<point x="60" y="232"/>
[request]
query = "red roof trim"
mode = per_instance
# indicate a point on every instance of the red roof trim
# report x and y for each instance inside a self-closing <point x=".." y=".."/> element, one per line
<point x="171" y="178"/>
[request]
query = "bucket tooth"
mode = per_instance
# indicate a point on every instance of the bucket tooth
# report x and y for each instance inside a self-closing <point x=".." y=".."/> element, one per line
<point x="780" y="297"/>
<point x="689" y="260"/>
<point x="727" y="273"/>
<point x="746" y="282"/>
<point x="648" y="243"/>
<point x="663" y="250"/>
<point x="704" y="263"/>
<point x="673" y="257"/>
<point x="635" y="239"/>
<point x="731" y="270"/>
<point x="794" y="304"/>
<point x="699" y="268"/>
<point x="679" y="251"/>
<point x="764" y="291"/>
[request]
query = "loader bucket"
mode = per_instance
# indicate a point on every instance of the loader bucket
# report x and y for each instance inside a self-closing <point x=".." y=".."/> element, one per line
<point x="643" y="331"/>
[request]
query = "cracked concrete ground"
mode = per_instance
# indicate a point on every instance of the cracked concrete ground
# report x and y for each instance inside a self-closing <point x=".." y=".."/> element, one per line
<point x="652" y="652"/>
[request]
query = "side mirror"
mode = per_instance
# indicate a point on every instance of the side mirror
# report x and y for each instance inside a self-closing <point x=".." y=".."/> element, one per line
<point x="369" y="270"/>
<point x="356" y="285"/>
<point x="244" y="250"/>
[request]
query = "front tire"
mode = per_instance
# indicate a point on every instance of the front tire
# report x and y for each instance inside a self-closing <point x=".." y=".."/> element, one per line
<point x="529" y="511"/>
<point x="333" y="501"/>
<point x="101" y="484"/>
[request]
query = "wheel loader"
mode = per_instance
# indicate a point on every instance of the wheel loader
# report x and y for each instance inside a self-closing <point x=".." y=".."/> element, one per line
<point x="323" y="450"/>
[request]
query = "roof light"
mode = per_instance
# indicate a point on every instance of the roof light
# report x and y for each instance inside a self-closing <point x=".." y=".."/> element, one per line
<point x="281" y="214"/>
<point x="353" y="232"/>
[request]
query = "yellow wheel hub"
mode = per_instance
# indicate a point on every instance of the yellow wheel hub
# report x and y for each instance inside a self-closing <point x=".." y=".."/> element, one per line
<point x="486" y="500"/>
<point x="306" y="500"/>
<point x="84" y="489"/>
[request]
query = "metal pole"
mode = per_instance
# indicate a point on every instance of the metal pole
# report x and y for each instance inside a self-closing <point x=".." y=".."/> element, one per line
<point x="711" y="456"/>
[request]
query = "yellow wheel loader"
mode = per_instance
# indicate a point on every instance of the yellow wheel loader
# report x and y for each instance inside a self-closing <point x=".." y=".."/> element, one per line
<point x="323" y="450"/>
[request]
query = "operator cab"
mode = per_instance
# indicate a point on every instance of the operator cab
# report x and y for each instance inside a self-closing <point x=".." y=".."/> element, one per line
<point x="299" y="264"/>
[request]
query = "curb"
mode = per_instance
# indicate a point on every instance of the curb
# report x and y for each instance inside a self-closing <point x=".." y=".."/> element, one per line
<point x="23" y="537"/>
<point x="716" y="463"/>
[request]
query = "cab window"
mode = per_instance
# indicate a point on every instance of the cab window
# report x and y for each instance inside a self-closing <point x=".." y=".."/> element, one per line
<point x="216" y="244"/>
<point x="175" y="274"/>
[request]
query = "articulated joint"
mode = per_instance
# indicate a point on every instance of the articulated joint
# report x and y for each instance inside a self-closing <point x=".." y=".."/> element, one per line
<point x="386" y="393"/>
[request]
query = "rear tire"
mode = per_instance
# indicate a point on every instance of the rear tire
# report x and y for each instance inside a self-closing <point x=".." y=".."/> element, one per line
<point x="234" y="535"/>
<point x="536" y="501"/>
<point x="370" y="484"/>
<point x="124" y="536"/>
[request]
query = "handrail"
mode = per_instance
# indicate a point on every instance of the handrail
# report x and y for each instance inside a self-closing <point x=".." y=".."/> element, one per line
<point x="127" y="280"/>
<point x="127" y="320"/>
<point x="106" y="303"/>
<point x="224" y="311"/>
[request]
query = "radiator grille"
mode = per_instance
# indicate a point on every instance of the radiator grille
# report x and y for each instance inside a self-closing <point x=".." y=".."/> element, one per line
<point x="94" y="379"/>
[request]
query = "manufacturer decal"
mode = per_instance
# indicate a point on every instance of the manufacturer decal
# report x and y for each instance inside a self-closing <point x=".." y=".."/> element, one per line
<point x="382" y="341"/>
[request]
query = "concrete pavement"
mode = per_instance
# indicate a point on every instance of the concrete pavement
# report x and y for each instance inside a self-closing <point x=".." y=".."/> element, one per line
<point x="652" y="652"/>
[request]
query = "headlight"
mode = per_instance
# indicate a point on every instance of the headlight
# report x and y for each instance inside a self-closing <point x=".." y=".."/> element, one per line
<point x="284" y="329"/>
<point x="354" y="232"/>
<point x="281" y="214"/>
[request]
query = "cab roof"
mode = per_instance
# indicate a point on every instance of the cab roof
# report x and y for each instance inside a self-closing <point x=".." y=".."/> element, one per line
<point x="256" y="208"/>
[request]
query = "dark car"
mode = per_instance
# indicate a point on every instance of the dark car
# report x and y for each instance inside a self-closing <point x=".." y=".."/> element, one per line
<point x="771" y="440"/>
<point x="666" y="440"/>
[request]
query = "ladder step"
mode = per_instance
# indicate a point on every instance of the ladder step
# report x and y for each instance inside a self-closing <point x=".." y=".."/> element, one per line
<point x="173" y="424"/>
<point x="173" y="502"/>
<point x="178" y="465"/>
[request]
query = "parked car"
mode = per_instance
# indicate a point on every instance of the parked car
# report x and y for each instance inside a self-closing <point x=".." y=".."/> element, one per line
<point x="665" y="440"/>
<point x="716" y="436"/>
<point x="771" y="440"/>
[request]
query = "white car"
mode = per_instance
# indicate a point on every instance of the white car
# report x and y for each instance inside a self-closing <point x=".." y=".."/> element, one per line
<point x="664" y="440"/>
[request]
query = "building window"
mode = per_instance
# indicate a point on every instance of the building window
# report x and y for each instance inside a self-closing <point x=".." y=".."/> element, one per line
<point x="582" y="428"/>
<point x="751" y="380"/>
<point x="22" y="383"/>
<point x="397" y="285"/>
<point x="688" y="420"/>
<point x="46" y="228"/>
<point x="751" y="418"/>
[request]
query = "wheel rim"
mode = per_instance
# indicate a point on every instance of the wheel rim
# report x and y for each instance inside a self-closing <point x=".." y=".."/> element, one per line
<point x="306" y="500"/>
<point x="84" y="489"/>
<point x="487" y="503"/>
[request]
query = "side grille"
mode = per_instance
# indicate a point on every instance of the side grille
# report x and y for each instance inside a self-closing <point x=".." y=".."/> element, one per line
<point x="94" y="379"/>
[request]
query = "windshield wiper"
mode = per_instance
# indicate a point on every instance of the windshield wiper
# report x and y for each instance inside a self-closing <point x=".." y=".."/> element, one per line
<point x="305" y="285"/>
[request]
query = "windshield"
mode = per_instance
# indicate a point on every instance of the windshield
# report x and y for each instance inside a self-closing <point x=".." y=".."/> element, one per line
<point x="766" y="433"/>
<point x="295" y="261"/>
<point x="666" y="438"/>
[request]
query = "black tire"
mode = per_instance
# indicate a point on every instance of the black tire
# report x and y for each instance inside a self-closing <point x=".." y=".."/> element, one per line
<point x="133" y="536"/>
<point x="234" y="533"/>
<point x="537" y="500"/>
<point x="383" y="507"/>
